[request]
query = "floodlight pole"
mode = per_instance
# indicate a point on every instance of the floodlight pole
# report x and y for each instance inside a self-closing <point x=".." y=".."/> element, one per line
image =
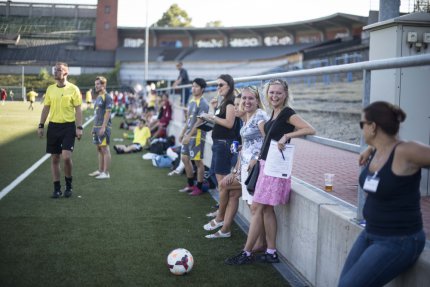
<point x="22" y="84"/>
<point x="146" y="49"/>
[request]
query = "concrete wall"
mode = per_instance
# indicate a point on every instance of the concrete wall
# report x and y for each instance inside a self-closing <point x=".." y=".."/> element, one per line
<point x="315" y="233"/>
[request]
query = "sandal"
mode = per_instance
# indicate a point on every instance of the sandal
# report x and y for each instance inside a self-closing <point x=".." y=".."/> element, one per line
<point x="209" y="226"/>
<point x="219" y="234"/>
<point x="212" y="214"/>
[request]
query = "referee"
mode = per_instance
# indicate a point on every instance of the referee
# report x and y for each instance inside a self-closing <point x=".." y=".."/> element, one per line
<point x="63" y="105"/>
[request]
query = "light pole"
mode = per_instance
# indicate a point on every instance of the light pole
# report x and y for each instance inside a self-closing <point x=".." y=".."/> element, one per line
<point x="146" y="50"/>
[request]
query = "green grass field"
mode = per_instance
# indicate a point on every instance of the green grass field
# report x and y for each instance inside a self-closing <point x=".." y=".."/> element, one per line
<point x="115" y="232"/>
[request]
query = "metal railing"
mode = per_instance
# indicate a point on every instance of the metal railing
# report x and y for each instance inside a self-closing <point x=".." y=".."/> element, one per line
<point x="366" y="67"/>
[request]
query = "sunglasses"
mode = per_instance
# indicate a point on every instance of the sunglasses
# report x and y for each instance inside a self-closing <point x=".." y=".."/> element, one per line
<point x="278" y="82"/>
<point x="252" y="88"/>
<point x="220" y="85"/>
<point x="362" y="123"/>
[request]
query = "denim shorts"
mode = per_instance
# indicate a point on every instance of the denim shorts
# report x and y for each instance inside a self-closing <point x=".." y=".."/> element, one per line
<point x="221" y="156"/>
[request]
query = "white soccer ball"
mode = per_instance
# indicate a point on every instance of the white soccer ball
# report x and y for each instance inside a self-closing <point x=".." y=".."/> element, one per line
<point x="180" y="261"/>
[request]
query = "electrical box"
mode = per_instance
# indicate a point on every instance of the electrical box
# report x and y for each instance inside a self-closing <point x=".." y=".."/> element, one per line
<point x="408" y="87"/>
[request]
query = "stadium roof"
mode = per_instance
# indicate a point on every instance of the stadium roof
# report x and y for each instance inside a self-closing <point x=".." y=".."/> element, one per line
<point x="319" y="24"/>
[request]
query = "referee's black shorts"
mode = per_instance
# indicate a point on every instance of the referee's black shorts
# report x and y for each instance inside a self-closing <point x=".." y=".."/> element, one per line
<point x="60" y="137"/>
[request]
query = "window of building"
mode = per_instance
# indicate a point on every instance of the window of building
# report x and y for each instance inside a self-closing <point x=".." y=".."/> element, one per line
<point x="107" y="9"/>
<point x="107" y="25"/>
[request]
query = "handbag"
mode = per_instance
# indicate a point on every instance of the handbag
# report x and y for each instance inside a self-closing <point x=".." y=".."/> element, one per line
<point x="251" y="180"/>
<point x="206" y="126"/>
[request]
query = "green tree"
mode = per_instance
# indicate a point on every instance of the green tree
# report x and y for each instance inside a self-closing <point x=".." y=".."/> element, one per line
<point x="174" y="17"/>
<point x="216" y="23"/>
<point x="44" y="75"/>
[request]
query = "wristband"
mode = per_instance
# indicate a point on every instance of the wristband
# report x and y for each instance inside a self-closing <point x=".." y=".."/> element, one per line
<point x="79" y="127"/>
<point x="41" y="126"/>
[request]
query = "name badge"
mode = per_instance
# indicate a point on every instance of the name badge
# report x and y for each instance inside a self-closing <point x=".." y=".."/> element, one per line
<point x="371" y="183"/>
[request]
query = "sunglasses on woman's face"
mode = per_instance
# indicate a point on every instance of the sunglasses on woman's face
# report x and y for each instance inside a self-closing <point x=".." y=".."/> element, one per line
<point x="220" y="85"/>
<point x="362" y="123"/>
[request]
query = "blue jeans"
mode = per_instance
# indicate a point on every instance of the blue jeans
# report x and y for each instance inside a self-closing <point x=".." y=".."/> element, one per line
<point x="375" y="260"/>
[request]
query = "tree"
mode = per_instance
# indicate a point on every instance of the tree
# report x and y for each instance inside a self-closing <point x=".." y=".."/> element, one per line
<point x="216" y="23"/>
<point x="174" y="17"/>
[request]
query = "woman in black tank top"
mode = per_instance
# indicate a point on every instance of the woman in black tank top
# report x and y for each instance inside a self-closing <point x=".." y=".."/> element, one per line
<point x="393" y="238"/>
<point x="223" y="135"/>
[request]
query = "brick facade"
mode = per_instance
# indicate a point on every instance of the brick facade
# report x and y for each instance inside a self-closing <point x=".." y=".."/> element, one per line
<point x="106" y="25"/>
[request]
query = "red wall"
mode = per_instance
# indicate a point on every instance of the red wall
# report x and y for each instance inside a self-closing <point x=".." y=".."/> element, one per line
<point x="106" y="25"/>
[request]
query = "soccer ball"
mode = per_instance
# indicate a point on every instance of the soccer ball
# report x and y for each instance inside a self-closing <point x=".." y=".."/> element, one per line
<point x="180" y="261"/>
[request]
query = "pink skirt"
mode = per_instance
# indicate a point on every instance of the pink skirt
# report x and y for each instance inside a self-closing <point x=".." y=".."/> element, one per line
<point x="271" y="190"/>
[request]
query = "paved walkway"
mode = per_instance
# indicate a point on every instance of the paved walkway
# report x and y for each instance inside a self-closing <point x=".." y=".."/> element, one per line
<point x="312" y="160"/>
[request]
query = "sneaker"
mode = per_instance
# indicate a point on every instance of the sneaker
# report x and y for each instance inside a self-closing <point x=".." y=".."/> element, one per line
<point x="95" y="173"/>
<point x="196" y="191"/>
<point x="240" y="259"/>
<point x="174" y="172"/>
<point x="103" y="176"/>
<point x="68" y="192"/>
<point x="186" y="189"/>
<point x="118" y="150"/>
<point x="268" y="258"/>
<point x="56" y="194"/>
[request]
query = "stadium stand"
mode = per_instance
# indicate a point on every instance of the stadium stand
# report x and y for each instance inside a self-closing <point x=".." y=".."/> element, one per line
<point x="41" y="34"/>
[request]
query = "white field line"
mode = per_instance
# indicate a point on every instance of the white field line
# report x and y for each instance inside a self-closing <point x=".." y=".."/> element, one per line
<point x="26" y="173"/>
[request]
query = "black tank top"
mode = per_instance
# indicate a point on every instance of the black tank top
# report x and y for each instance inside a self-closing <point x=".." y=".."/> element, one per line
<point x="220" y="132"/>
<point x="281" y="127"/>
<point x="394" y="209"/>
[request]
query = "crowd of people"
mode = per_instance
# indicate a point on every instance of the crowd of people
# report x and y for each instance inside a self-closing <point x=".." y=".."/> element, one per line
<point x="243" y="131"/>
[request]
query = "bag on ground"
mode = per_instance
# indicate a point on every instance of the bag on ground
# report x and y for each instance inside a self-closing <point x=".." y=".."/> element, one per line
<point x="162" y="161"/>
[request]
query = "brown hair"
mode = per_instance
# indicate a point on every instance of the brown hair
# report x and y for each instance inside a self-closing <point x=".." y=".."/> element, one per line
<point x="385" y="115"/>
<point x="102" y="80"/>
<point x="230" y="94"/>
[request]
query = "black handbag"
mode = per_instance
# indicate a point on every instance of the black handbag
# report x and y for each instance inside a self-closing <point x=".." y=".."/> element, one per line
<point x="251" y="180"/>
<point x="206" y="126"/>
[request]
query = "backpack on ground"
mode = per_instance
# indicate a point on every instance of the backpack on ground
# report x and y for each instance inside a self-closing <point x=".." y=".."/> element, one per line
<point x="162" y="161"/>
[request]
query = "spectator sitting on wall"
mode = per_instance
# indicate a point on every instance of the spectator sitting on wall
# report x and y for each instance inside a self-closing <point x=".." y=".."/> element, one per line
<point x="159" y="126"/>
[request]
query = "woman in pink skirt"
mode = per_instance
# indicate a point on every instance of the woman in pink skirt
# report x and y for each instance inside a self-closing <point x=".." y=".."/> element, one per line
<point x="272" y="191"/>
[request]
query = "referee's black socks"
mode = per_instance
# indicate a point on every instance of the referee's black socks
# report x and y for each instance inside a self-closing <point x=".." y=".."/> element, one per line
<point x="68" y="182"/>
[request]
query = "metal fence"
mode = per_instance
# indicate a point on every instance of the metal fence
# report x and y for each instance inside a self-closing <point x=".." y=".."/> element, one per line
<point x="366" y="68"/>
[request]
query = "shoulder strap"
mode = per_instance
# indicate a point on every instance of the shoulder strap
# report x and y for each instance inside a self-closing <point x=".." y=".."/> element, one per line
<point x="266" y="138"/>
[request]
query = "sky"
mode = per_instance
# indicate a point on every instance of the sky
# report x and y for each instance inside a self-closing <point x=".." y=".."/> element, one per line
<point x="231" y="13"/>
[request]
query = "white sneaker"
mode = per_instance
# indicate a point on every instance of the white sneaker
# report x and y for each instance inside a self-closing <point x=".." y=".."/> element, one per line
<point x="186" y="189"/>
<point x="95" y="173"/>
<point x="103" y="176"/>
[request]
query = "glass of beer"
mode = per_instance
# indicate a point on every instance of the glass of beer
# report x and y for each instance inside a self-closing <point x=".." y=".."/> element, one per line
<point x="328" y="181"/>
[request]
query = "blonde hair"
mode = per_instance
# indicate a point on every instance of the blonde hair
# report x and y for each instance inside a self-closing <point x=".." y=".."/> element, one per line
<point x="254" y="90"/>
<point x="284" y="84"/>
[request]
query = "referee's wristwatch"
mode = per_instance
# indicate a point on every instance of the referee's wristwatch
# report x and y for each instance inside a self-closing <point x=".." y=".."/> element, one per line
<point x="41" y="126"/>
<point x="79" y="127"/>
